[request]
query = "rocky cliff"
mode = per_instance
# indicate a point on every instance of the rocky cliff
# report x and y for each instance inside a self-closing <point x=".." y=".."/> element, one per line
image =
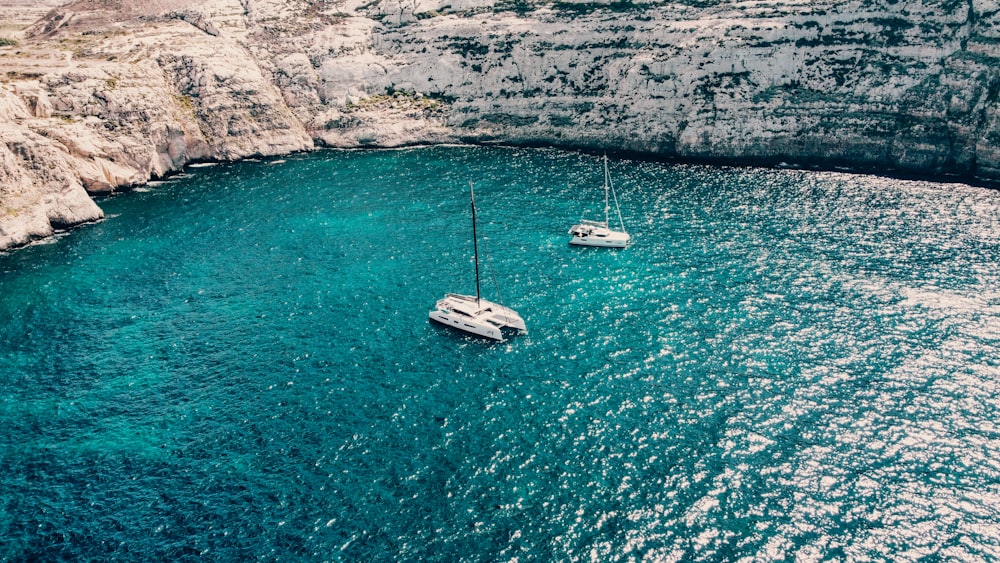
<point x="97" y="96"/>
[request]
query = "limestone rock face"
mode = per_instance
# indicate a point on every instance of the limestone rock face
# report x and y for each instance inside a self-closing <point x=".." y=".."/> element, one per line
<point x="95" y="98"/>
<point x="136" y="96"/>
<point x="39" y="189"/>
<point x="911" y="86"/>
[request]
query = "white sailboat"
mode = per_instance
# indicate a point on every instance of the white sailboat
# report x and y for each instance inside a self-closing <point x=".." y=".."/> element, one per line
<point x="598" y="233"/>
<point x="473" y="314"/>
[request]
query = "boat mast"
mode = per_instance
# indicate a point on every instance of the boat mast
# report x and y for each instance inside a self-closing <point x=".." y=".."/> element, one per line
<point x="475" y="243"/>
<point x="607" y="186"/>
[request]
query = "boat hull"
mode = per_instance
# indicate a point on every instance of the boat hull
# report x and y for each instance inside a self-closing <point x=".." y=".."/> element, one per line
<point x="476" y="316"/>
<point x="605" y="243"/>
<point x="596" y="235"/>
<point x="479" y="329"/>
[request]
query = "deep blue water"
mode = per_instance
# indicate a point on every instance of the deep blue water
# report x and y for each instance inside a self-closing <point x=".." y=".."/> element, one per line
<point x="237" y="365"/>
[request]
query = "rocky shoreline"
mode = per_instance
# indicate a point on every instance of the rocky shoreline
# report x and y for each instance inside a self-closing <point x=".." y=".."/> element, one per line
<point x="94" y="101"/>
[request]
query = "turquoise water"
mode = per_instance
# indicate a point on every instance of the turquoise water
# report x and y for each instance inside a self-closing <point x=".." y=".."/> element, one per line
<point x="237" y="365"/>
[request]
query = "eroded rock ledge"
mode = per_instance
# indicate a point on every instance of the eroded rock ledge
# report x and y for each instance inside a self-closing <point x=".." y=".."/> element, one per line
<point x="94" y="100"/>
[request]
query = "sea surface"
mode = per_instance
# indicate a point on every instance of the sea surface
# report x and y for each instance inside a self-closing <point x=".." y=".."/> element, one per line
<point x="237" y="365"/>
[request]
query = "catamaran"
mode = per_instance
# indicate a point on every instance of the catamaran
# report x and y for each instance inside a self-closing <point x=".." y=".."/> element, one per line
<point x="598" y="233"/>
<point x="473" y="314"/>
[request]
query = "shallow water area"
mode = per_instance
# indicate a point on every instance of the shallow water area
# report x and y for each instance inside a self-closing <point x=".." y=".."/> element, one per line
<point x="238" y="364"/>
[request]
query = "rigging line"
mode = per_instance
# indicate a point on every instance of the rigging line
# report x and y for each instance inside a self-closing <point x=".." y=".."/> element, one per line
<point x="493" y="275"/>
<point x="489" y="259"/>
<point x="615" y="195"/>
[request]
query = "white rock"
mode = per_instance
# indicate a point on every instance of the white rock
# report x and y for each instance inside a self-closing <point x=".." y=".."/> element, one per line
<point x="901" y="85"/>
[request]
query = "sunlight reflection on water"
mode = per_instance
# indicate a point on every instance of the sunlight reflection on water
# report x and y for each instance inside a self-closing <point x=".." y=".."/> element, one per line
<point x="784" y="364"/>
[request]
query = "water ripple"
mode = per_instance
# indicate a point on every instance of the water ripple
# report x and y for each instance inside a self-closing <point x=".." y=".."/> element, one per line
<point x="786" y="364"/>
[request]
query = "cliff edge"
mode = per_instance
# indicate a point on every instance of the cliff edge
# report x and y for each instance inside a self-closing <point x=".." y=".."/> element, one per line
<point x="98" y="96"/>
